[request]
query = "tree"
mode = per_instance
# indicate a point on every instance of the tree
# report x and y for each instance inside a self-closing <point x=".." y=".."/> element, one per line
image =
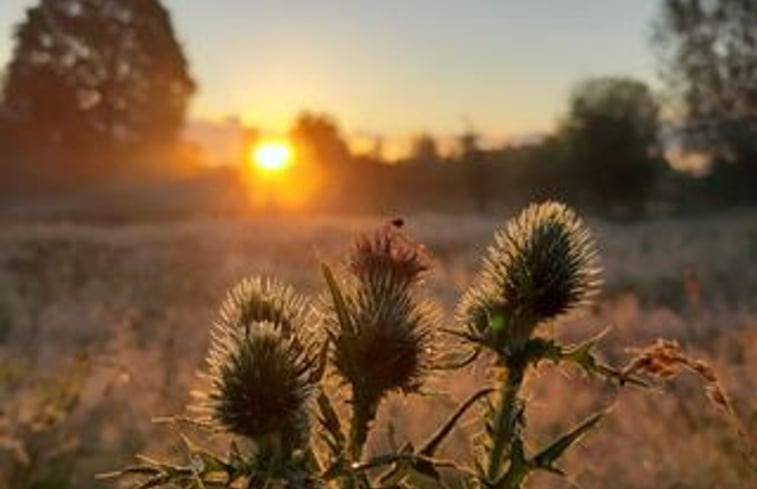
<point x="477" y="170"/>
<point x="709" y="58"/>
<point x="319" y="139"/>
<point x="93" y="73"/>
<point x="470" y="148"/>
<point x="611" y="132"/>
<point x="424" y="149"/>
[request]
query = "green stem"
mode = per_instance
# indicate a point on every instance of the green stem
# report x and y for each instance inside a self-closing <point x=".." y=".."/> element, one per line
<point x="363" y="414"/>
<point x="505" y="421"/>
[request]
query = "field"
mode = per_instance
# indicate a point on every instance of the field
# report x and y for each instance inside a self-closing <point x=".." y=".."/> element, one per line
<point x="103" y="327"/>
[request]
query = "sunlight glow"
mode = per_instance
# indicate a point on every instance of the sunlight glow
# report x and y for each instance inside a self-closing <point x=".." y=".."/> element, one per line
<point x="272" y="155"/>
<point x="279" y="177"/>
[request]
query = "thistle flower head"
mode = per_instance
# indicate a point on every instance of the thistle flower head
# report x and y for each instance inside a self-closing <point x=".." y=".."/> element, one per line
<point x="388" y="253"/>
<point x="541" y="265"/>
<point x="261" y="384"/>
<point x="255" y="300"/>
<point x="260" y="366"/>
<point x="389" y="347"/>
<point x="386" y="345"/>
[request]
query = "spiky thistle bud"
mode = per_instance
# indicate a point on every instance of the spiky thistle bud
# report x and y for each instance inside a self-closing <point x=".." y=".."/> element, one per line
<point x="255" y="300"/>
<point x="541" y="265"/>
<point x="388" y="254"/>
<point x="261" y="366"/>
<point x="386" y="345"/>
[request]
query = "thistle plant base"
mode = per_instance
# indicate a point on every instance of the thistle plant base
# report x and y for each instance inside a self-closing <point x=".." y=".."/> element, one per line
<point x="374" y="333"/>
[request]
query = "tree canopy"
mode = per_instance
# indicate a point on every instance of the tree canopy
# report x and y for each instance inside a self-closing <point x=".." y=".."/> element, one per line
<point x="709" y="59"/>
<point x="319" y="139"/>
<point x="96" y="73"/>
<point x="611" y="131"/>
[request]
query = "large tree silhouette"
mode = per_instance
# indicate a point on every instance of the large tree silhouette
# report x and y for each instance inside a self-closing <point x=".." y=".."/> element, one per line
<point x="97" y="73"/>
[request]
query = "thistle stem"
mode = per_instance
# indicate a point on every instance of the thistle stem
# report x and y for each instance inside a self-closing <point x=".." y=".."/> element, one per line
<point x="505" y="421"/>
<point x="363" y="414"/>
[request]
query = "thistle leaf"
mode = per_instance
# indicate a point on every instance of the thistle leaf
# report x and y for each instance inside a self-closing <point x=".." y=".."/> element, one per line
<point x="330" y="422"/>
<point x="425" y="467"/>
<point x="340" y="305"/>
<point x="131" y="470"/>
<point x="322" y="360"/>
<point x="154" y="482"/>
<point x="583" y="356"/>
<point x="399" y="469"/>
<point x="550" y="454"/>
<point x="429" y="448"/>
<point x="461" y="363"/>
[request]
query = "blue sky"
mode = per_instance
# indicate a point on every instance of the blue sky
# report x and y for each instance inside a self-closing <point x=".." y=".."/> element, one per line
<point x="401" y="66"/>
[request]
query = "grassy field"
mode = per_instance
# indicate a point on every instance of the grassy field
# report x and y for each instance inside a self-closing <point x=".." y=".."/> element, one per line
<point x="103" y="327"/>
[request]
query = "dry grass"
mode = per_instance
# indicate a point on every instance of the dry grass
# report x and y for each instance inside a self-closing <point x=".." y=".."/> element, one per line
<point x="103" y="327"/>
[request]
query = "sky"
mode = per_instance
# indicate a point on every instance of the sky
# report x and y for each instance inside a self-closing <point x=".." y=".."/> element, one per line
<point x="396" y="67"/>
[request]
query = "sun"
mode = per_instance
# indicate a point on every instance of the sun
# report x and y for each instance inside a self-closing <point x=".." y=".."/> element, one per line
<point x="279" y="177"/>
<point x="272" y="156"/>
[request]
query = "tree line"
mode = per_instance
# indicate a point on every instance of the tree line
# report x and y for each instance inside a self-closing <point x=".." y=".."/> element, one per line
<point x="95" y="82"/>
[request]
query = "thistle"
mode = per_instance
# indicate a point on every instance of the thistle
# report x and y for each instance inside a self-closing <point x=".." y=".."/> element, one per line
<point x="261" y="367"/>
<point x="256" y="300"/>
<point x="381" y="341"/>
<point x="542" y="264"/>
<point x="388" y="253"/>
<point x="264" y="365"/>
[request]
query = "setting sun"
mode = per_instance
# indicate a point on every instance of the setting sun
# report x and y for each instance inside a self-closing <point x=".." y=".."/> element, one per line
<point x="272" y="155"/>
